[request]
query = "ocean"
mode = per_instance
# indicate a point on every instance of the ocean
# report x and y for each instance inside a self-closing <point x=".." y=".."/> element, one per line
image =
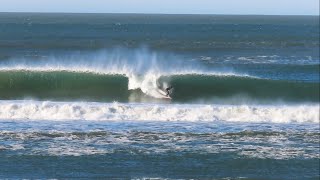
<point x="80" y="96"/>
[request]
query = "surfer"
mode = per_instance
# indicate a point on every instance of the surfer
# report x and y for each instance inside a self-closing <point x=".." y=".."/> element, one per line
<point x="168" y="90"/>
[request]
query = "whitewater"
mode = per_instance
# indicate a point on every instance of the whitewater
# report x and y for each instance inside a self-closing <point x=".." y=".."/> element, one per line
<point x="61" y="111"/>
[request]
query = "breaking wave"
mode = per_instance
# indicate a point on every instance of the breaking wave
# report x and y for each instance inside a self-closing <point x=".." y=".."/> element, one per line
<point x="136" y="76"/>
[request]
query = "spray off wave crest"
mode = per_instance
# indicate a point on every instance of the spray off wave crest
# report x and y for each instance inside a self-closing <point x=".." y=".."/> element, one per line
<point x="39" y="110"/>
<point x="142" y="67"/>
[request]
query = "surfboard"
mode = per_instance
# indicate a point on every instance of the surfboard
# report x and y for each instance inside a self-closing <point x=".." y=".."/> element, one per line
<point x="163" y="94"/>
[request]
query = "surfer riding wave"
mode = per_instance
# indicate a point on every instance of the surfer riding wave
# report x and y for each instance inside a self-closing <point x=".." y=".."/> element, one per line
<point x="169" y="90"/>
<point x="165" y="90"/>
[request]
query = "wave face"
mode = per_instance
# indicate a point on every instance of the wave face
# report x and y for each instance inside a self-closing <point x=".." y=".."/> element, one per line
<point x="137" y="76"/>
<point x="244" y="89"/>
<point x="61" y="111"/>
<point x="61" y="85"/>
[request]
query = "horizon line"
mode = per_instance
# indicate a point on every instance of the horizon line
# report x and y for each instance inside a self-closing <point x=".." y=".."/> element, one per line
<point x="139" y="13"/>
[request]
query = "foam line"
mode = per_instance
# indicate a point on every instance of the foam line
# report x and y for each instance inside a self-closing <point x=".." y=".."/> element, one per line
<point x="61" y="111"/>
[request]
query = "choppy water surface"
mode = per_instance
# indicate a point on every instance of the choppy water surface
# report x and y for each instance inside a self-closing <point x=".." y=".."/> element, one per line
<point x="159" y="149"/>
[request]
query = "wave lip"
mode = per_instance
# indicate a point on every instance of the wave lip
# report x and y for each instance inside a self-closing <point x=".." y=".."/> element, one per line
<point x="61" y="111"/>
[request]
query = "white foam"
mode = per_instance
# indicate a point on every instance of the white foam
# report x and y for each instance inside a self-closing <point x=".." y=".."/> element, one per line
<point x="61" y="111"/>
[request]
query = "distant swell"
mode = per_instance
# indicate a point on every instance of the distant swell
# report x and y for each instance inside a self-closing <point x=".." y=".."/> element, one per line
<point x="61" y="111"/>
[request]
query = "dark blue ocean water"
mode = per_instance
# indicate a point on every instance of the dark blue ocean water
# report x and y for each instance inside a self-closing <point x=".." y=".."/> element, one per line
<point x="129" y="149"/>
